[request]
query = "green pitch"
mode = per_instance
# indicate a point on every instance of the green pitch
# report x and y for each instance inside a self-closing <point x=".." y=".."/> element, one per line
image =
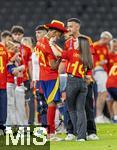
<point x="106" y="133"/>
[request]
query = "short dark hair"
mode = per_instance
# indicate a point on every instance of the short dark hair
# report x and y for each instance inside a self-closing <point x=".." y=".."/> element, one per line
<point x="5" y="33"/>
<point x="41" y="27"/>
<point x="74" y="20"/>
<point x="16" y="29"/>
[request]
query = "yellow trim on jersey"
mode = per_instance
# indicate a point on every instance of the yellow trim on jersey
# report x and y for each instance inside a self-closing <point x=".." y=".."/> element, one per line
<point x="53" y="93"/>
<point x="113" y="71"/>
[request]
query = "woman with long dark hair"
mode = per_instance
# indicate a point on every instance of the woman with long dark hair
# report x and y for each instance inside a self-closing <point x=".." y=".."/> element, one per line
<point x="80" y="63"/>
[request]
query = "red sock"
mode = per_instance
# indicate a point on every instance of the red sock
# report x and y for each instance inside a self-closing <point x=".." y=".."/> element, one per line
<point x="51" y="118"/>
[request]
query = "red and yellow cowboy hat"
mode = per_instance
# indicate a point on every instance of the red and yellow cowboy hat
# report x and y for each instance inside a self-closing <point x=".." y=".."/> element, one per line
<point x="57" y="25"/>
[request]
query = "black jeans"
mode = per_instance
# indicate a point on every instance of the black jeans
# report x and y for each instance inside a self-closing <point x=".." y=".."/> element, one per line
<point x="91" y="126"/>
<point x="76" y="92"/>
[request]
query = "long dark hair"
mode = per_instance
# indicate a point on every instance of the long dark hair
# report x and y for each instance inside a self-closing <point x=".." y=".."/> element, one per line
<point x="85" y="52"/>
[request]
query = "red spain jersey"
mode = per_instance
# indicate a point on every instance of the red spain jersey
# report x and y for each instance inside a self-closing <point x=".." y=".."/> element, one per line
<point x="75" y="65"/>
<point x="112" y="59"/>
<point x="69" y="44"/>
<point x="26" y="55"/>
<point x="10" y="77"/>
<point x="45" y="55"/>
<point x="101" y="54"/>
<point x="112" y="78"/>
<point x="3" y="64"/>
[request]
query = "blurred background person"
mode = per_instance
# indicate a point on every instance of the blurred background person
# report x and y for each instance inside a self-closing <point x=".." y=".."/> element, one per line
<point x="30" y="110"/>
<point x="100" y="73"/>
<point x="112" y="79"/>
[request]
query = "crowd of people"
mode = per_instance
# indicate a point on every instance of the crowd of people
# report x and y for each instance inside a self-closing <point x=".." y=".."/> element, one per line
<point x="57" y="86"/>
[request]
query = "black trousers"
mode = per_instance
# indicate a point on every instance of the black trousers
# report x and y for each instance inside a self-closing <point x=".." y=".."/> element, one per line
<point x="76" y="92"/>
<point x="91" y="126"/>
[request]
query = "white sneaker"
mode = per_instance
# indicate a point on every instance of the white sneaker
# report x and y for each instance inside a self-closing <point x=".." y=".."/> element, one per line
<point x="70" y="137"/>
<point x="102" y="119"/>
<point x="55" y="138"/>
<point x="99" y="119"/>
<point x="92" y="137"/>
<point x="106" y="120"/>
<point x="80" y="140"/>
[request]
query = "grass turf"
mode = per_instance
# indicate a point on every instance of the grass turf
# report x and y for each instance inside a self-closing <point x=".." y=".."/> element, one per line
<point x="107" y="141"/>
<point x="106" y="132"/>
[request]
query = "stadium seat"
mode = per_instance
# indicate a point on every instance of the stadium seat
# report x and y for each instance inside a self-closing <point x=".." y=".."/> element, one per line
<point x="95" y="14"/>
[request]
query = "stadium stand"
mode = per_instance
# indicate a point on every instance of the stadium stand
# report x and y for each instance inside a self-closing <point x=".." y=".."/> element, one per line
<point x="96" y="15"/>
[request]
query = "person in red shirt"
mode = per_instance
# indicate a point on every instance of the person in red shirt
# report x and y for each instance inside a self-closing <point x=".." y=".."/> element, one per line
<point x="49" y="78"/>
<point x="40" y="31"/>
<point x="100" y="73"/>
<point x="3" y="81"/>
<point x="112" y="78"/>
<point x="72" y="44"/>
<point x="11" y="112"/>
<point x="17" y="34"/>
<point x="77" y="52"/>
<point x="15" y="68"/>
<point x="77" y="71"/>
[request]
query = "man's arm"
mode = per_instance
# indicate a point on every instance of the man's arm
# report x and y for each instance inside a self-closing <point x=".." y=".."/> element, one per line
<point x="30" y="69"/>
<point x="54" y="64"/>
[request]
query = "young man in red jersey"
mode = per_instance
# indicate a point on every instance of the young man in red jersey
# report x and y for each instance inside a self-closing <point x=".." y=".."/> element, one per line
<point x="3" y="81"/>
<point x="15" y="68"/>
<point x="49" y="78"/>
<point x="41" y="31"/>
<point x="71" y="45"/>
<point x="17" y="34"/>
<point x="11" y="113"/>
